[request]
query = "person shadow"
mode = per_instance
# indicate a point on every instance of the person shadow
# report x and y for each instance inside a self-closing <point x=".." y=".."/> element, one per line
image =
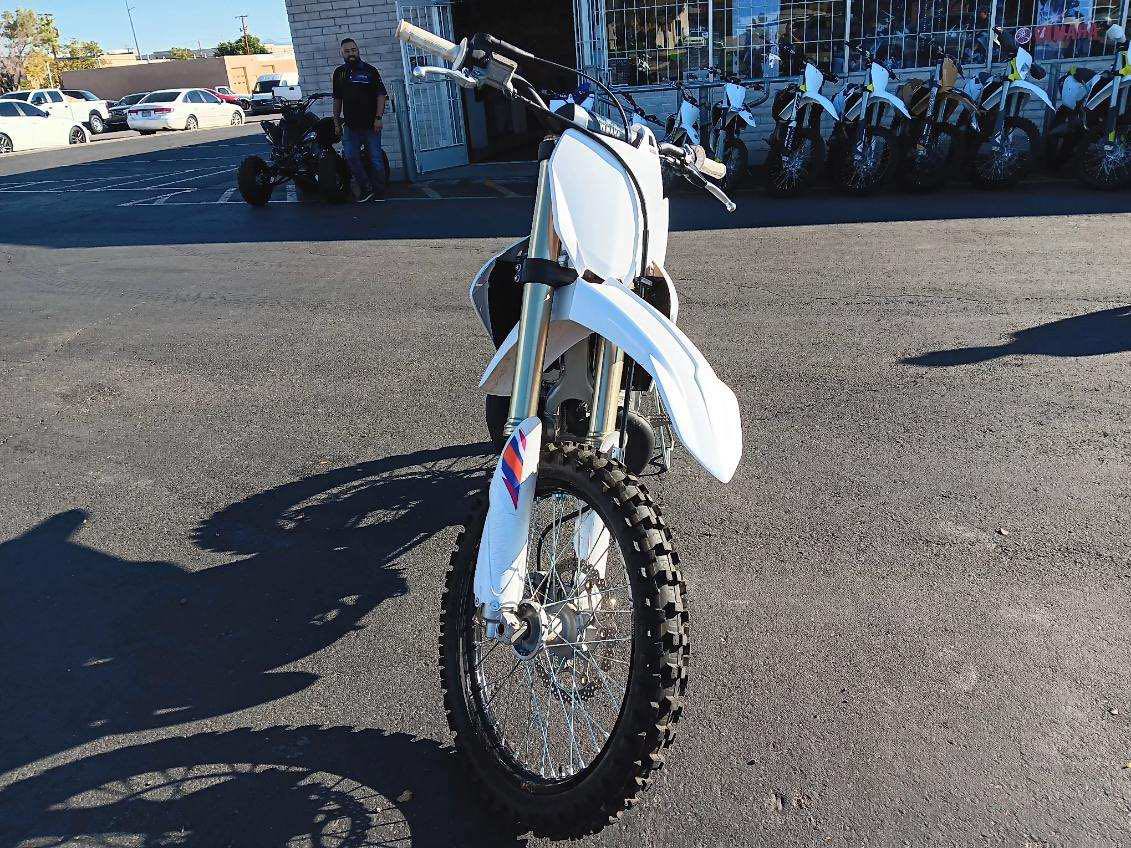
<point x="97" y="645"/>
<point x="1093" y="334"/>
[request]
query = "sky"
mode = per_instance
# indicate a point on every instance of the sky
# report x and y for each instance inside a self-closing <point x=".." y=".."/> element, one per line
<point x="161" y="24"/>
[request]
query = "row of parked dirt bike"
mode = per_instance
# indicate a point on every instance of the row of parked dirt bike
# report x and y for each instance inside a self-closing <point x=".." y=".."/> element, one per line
<point x="925" y="132"/>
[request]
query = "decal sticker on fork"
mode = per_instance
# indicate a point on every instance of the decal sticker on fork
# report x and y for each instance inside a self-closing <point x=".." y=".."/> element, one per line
<point x="500" y="569"/>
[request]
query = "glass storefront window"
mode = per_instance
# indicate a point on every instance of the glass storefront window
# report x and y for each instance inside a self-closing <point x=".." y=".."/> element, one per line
<point x="654" y="42"/>
<point x="650" y="41"/>
<point x="747" y="32"/>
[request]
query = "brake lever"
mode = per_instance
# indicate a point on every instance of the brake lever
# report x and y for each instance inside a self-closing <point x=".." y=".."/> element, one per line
<point x="719" y="195"/>
<point x="458" y="77"/>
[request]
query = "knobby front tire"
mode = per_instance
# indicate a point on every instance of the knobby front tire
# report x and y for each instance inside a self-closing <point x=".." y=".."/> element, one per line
<point x="605" y="776"/>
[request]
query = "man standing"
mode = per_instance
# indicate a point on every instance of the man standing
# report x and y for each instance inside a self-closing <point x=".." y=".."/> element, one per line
<point x="360" y="96"/>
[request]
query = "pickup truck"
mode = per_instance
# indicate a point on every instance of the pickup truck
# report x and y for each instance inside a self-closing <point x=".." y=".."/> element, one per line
<point x="92" y="113"/>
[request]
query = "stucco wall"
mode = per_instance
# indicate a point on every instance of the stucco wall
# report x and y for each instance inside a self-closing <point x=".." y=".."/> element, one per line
<point x="112" y="83"/>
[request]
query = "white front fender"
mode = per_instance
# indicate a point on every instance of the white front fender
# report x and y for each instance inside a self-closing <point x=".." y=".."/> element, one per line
<point x="1032" y="89"/>
<point x="823" y="101"/>
<point x="702" y="409"/>
<point x="888" y="97"/>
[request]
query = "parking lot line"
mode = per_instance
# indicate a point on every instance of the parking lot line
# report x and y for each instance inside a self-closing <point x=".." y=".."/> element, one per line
<point x="503" y="190"/>
<point x="135" y="181"/>
<point x="194" y="177"/>
<point x="226" y="195"/>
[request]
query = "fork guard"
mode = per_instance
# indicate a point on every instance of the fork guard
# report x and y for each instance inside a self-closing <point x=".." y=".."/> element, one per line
<point x="702" y="409"/>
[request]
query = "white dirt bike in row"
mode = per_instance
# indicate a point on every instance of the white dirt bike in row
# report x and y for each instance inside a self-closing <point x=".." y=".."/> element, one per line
<point x="564" y="645"/>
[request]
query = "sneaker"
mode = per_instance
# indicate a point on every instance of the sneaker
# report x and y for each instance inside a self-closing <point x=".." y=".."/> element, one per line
<point x="366" y="196"/>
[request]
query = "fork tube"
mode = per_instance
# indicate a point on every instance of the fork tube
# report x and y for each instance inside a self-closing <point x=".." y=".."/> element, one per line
<point x="606" y="391"/>
<point x="534" y="320"/>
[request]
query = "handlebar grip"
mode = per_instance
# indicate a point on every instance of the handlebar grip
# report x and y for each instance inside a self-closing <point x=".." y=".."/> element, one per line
<point x="427" y="41"/>
<point x="714" y="170"/>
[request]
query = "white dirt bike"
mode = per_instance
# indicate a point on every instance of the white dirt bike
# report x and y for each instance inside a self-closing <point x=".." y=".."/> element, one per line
<point x="564" y="645"/>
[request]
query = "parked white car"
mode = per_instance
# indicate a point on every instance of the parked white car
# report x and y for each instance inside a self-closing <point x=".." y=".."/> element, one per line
<point x="182" y="109"/>
<point x="53" y="102"/>
<point x="97" y="109"/>
<point x="27" y="127"/>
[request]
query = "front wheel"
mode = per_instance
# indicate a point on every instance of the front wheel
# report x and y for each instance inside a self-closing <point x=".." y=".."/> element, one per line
<point x="77" y="136"/>
<point x="237" y="119"/>
<point x="97" y="125"/>
<point x="790" y="172"/>
<point x="6" y="145"/>
<point x="735" y="158"/>
<point x="191" y="123"/>
<point x="1104" y="164"/>
<point x="926" y="167"/>
<point x="563" y="730"/>
<point x="1003" y="161"/>
<point x="253" y="178"/>
<point x="864" y="165"/>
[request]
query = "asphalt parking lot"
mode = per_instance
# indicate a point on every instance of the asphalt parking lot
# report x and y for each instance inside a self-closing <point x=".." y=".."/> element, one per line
<point x="236" y="445"/>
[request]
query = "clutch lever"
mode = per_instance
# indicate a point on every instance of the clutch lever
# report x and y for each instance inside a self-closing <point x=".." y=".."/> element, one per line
<point x="458" y="77"/>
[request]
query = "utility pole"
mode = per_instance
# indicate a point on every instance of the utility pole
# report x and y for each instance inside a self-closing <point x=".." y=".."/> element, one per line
<point x="243" y="20"/>
<point x="134" y="31"/>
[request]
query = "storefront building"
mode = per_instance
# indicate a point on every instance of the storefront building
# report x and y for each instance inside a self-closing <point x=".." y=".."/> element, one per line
<point x="643" y="45"/>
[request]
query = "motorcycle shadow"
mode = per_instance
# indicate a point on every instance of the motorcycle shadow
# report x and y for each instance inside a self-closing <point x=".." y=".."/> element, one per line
<point x="100" y="645"/>
<point x="1092" y="334"/>
<point x="317" y="786"/>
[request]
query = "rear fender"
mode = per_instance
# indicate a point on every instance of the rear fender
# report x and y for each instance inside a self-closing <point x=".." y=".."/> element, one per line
<point x="702" y="409"/>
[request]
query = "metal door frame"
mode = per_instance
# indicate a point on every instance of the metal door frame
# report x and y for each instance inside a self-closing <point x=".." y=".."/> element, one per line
<point x="439" y="21"/>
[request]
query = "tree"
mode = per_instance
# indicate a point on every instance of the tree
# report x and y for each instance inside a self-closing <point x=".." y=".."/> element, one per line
<point x="37" y="70"/>
<point x="80" y="56"/>
<point x="181" y="53"/>
<point x="22" y="33"/>
<point x="235" y="47"/>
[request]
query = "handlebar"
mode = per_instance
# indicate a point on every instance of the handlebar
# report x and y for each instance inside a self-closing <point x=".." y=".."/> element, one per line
<point x="692" y="161"/>
<point x="429" y="42"/>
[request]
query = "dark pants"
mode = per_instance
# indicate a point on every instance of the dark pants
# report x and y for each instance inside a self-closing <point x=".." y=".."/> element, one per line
<point x="362" y="149"/>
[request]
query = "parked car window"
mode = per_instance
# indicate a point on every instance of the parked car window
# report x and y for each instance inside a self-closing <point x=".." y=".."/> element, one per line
<point x="56" y="96"/>
<point x="193" y="97"/>
<point x="38" y="98"/>
<point x="80" y="95"/>
<point x="266" y="86"/>
<point x="16" y="95"/>
<point x="209" y="97"/>
<point x="9" y="110"/>
<point x="161" y="97"/>
<point x="30" y="110"/>
<point x="129" y="100"/>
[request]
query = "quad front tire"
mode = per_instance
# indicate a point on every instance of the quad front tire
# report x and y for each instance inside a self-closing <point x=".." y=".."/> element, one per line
<point x="253" y="178"/>
<point x="333" y="178"/>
